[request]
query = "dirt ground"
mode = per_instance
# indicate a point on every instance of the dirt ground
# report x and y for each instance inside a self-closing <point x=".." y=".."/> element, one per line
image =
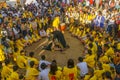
<point x="73" y="52"/>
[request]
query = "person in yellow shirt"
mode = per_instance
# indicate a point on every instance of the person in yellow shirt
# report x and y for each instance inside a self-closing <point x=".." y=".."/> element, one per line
<point x="103" y="58"/>
<point x="6" y="70"/>
<point x="31" y="73"/>
<point x="99" y="71"/>
<point x="4" y="4"/>
<point x="54" y="73"/>
<point x="107" y="76"/>
<point x="14" y="75"/>
<point x="94" y="45"/>
<point x="106" y="66"/>
<point x="109" y="51"/>
<point x="31" y="58"/>
<point x="90" y="59"/>
<point x="90" y="75"/>
<point x="70" y="72"/>
<point x="2" y="57"/>
<point x="15" y="53"/>
<point x="118" y="46"/>
<point x="19" y="44"/>
<point x="92" y="48"/>
<point x="56" y="22"/>
<point x="21" y="60"/>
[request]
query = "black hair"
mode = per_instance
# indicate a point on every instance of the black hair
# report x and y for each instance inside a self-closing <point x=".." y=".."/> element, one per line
<point x="21" y="77"/>
<point x="90" y="45"/>
<point x="100" y="65"/>
<point x="106" y="45"/>
<point x="31" y="54"/>
<point x="70" y="63"/>
<point x="21" y="51"/>
<point x="15" y="68"/>
<point x="108" y="75"/>
<point x="7" y="61"/>
<point x="43" y="66"/>
<point x="91" y="71"/>
<point x="80" y="59"/>
<point x="89" y="52"/>
<point x="91" y="39"/>
<point x="54" y="61"/>
<point x="53" y="68"/>
<point x="32" y="63"/>
<point x="43" y="57"/>
<point x="16" y="49"/>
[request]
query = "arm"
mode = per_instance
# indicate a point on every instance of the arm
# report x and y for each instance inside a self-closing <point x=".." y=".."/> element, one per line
<point x="41" y="44"/>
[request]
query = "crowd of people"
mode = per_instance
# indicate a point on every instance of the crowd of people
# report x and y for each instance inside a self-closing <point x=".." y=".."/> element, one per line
<point x="95" y="23"/>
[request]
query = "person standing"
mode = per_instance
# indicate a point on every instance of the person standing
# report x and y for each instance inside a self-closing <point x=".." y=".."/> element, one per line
<point x="97" y="2"/>
<point x="91" y="2"/>
<point x="99" y="21"/>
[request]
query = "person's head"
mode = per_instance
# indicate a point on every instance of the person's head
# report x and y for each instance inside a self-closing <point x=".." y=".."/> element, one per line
<point x="21" y="77"/>
<point x="91" y="39"/>
<point x="31" y="54"/>
<point x="15" y="68"/>
<point x="32" y="64"/>
<point x="106" y="47"/>
<point x="22" y="52"/>
<point x="100" y="13"/>
<point x="43" y="57"/>
<point x="53" y="68"/>
<point x="70" y="63"/>
<point x="91" y="71"/>
<point x="43" y="66"/>
<point x="16" y="49"/>
<point x="7" y="62"/>
<point x="54" y="61"/>
<point x="99" y="64"/>
<point x="90" y="45"/>
<point x="107" y="75"/>
<point x="80" y="59"/>
<point x="89" y="52"/>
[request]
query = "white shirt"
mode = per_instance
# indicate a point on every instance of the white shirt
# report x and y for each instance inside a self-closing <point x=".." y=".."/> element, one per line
<point x="43" y="33"/>
<point x="87" y="3"/>
<point x="83" y="68"/>
<point x="43" y="75"/>
<point x="43" y="61"/>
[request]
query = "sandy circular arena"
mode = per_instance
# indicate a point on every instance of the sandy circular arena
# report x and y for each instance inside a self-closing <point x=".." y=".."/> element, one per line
<point x="75" y="50"/>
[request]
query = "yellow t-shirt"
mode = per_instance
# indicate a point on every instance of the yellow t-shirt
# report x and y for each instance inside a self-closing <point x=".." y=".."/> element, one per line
<point x="15" y="54"/>
<point x="70" y="73"/>
<point x="32" y="59"/>
<point x="93" y="78"/>
<point x="87" y="77"/>
<point x="106" y="67"/>
<point x="6" y="72"/>
<point x="14" y="76"/>
<point x="90" y="60"/>
<point x="21" y="61"/>
<point x="104" y="59"/>
<point x="56" y="22"/>
<point x="94" y="47"/>
<point x="109" y="52"/>
<point x="118" y="46"/>
<point x="31" y="74"/>
<point x="2" y="57"/>
<point x="98" y="74"/>
<point x="57" y="76"/>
